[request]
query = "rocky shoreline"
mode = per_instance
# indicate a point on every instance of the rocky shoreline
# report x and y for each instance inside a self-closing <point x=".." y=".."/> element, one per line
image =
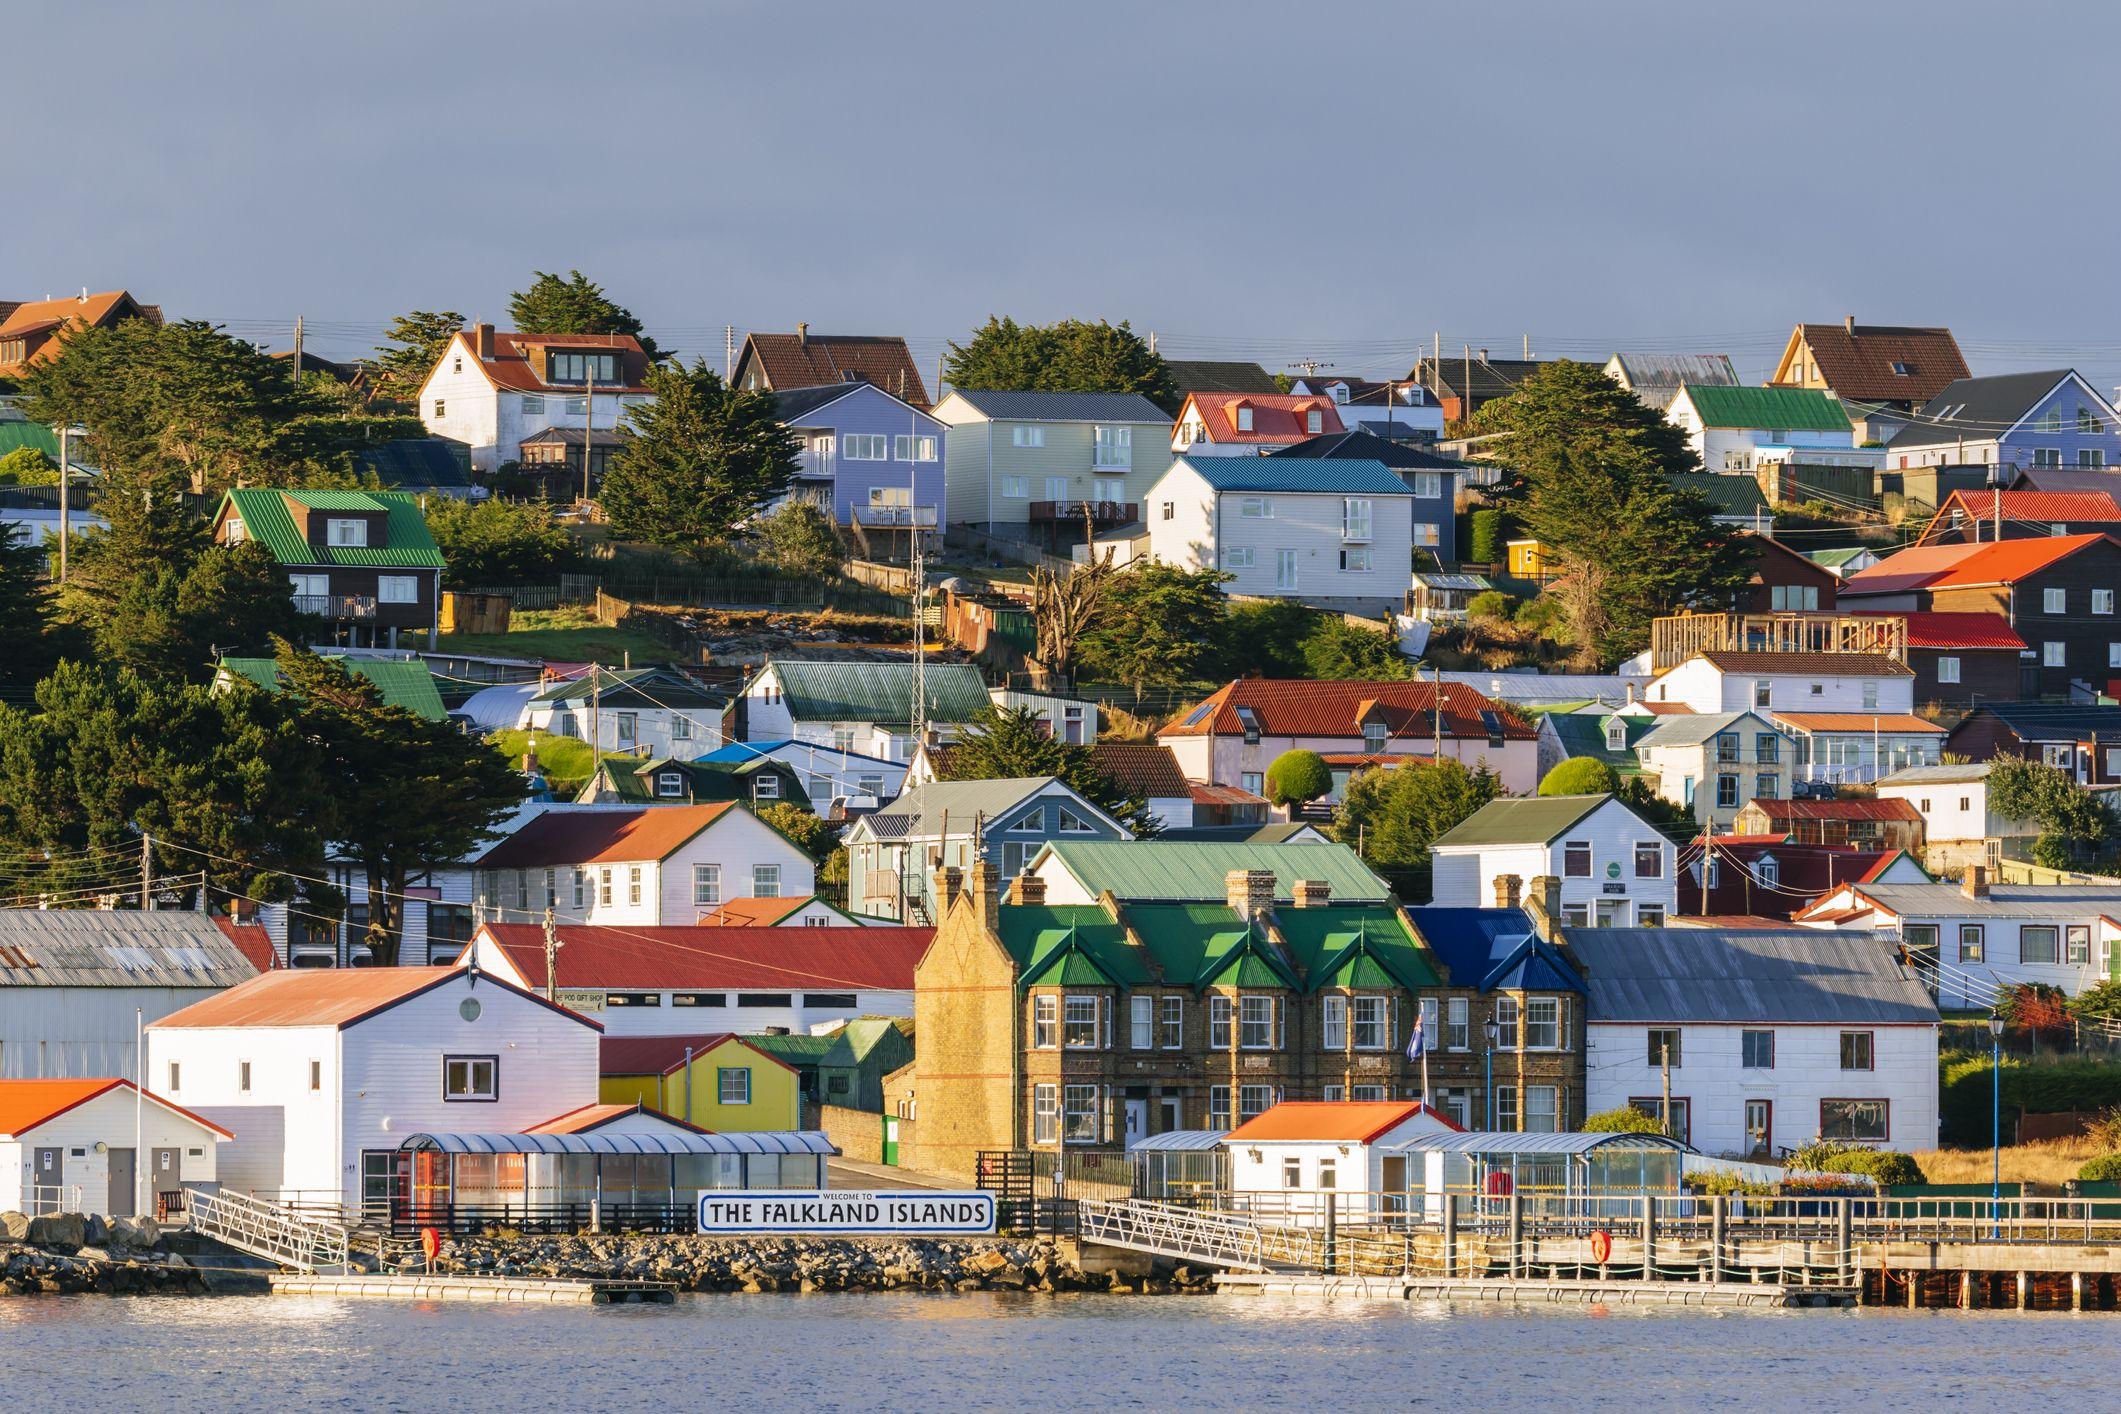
<point x="68" y="1254"/>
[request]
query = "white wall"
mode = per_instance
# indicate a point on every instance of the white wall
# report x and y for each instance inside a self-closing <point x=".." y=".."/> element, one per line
<point x="654" y="728"/>
<point x="471" y="405"/>
<point x="286" y="1133"/>
<point x="1807" y="1069"/>
<point x="652" y="892"/>
<point x="1226" y="759"/>
<point x="1956" y="811"/>
<point x="108" y="1120"/>
<point x="1203" y="530"/>
<point x="1466" y="874"/>
<point x="1704" y="687"/>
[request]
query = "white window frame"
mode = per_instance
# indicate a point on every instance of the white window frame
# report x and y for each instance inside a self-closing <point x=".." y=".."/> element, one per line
<point x="1025" y="436"/>
<point x="1358" y="519"/>
<point x="765" y="881"/>
<point x="1947" y="670"/>
<point x="1141" y="1022"/>
<point x="1238" y="557"/>
<point x="1016" y="488"/>
<point x="397" y="589"/>
<point x="1255" y="508"/>
<point x="706" y="886"/>
<point x="1287" y="573"/>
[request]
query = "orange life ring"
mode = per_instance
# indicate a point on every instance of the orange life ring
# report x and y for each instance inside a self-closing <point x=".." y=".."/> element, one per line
<point x="1601" y="1246"/>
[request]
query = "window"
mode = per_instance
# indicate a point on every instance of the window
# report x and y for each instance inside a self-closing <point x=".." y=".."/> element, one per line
<point x="2047" y="456"/>
<point x="1649" y="915"/>
<point x="872" y="785"/>
<point x="574" y="407"/>
<point x="1649" y="860"/>
<point x="1768" y="870"/>
<point x="1045" y="1022"/>
<point x="1255" y="1024"/>
<point x="175" y="1071"/>
<point x="243" y="1076"/>
<point x="681" y="728"/>
<point x="1238" y="557"/>
<point x="1506" y="1107"/>
<point x="765" y="881"/>
<point x="1333" y="1094"/>
<point x="766" y="787"/>
<point x="1575" y="915"/>
<point x="575" y="366"/>
<point x="1767" y="748"/>
<point x="1856" y="1050"/>
<point x="1457" y="1023"/>
<point x="2089" y="421"/>
<point x="1373" y="736"/>
<point x="1016" y="488"/>
<point x="1542" y="1109"/>
<point x="1079" y="1114"/>
<point x="533" y="405"/>
<point x="1056" y="488"/>
<point x="581" y="888"/>
<point x="1141" y="1023"/>
<point x="1757" y="1050"/>
<point x="633" y="884"/>
<point x="1115" y="446"/>
<point x="1870" y="692"/>
<point x="706" y="885"/>
<point x="1428" y="485"/>
<point x="1676" y="1124"/>
<point x="1947" y="670"/>
<point x="1727" y="747"/>
<point x="1664" y="1046"/>
<point x="1899" y="368"/>
<point x="441" y="408"/>
<point x="1244" y="417"/>
<point x="1170" y="511"/>
<point x="2054" y="601"/>
<point x="913" y="449"/>
<point x="864" y="446"/>
<point x="1314" y="421"/>
<point x="2053" y="654"/>
<point x="1427" y="536"/>
<point x="1506" y="1023"/>
<point x="347" y="531"/>
<point x="1079" y="1029"/>
<point x="1356" y="561"/>
<point x="1761" y="690"/>
<point x="1855" y="1119"/>
<point x="2090" y="458"/>
<point x="2038" y="943"/>
<point x="1254" y="782"/>
<point x="1045" y="1114"/>
<point x="1542" y="1023"/>
<point x="1255" y="508"/>
<point x="2079" y="945"/>
<point x="471" y="1078"/>
<point x="1793" y="596"/>
<point x="397" y="589"/>
<point x="1726" y="792"/>
<point x="1576" y="859"/>
<point x="1027" y="436"/>
<point x="1218" y="1107"/>
<point x="1356" y="517"/>
<point x="1254" y="1101"/>
<point x="732" y="1085"/>
<point x="628" y="729"/>
<point x="1336" y="1027"/>
<point x="1373" y="1023"/>
<point x="1072" y="823"/>
<point x="1616" y="734"/>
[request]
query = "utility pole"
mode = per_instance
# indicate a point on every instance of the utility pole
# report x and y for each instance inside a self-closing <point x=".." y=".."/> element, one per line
<point x="1528" y="348"/>
<point x="1152" y="341"/>
<point x="1436" y="714"/>
<point x="298" y="348"/>
<point x="552" y="958"/>
<point x="147" y="867"/>
<point x="589" y="427"/>
<point x="728" y="352"/>
<point x="1664" y="1058"/>
<point x="596" y="739"/>
<point x="65" y="514"/>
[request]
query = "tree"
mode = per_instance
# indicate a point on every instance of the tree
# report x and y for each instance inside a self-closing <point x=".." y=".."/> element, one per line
<point x="815" y="837"/>
<point x="407" y="795"/>
<point x="1064" y="604"/>
<point x="800" y="539"/>
<point x="703" y="458"/>
<point x="28" y="648"/>
<point x="1639" y="794"/>
<point x="1298" y="777"/>
<point x="1397" y="812"/>
<point x="1264" y="638"/>
<point x="1590" y="476"/>
<point x="1073" y="356"/>
<point x="1336" y="650"/>
<point x="1487" y="533"/>
<point x="172" y="622"/>
<point x="416" y="344"/>
<point x="1625" y="1120"/>
<point x="1580" y="775"/>
<point x="1156" y="626"/>
<point x="2070" y="817"/>
<point x="28" y="466"/>
<point x="494" y="541"/>
<point x="1011" y="743"/>
<point x="575" y="305"/>
<point x="2036" y="1007"/>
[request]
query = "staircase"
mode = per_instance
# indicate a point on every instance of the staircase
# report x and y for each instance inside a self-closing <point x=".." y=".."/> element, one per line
<point x="1228" y="1240"/>
<point x="268" y="1230"/>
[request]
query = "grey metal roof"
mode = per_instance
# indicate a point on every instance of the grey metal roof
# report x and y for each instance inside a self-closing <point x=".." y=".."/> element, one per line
<point x="1181" y="1139"/>
<point x="1546" y="687"/>
<point x="1961" y="774"/>
<point x="881" y="693"/>
<point x="920" y="812"/>
<point x="1511" y="1141"/>
<point x="97" y="948"/>
<point x="1978" y="409"/>
<point x="1692" y="729"/>
<point x="801" y="1141"/>
<point x="1721" y="975"/>
<point x="1015" y="406"/>
<point x="1947" y="900"/>
<point x="1655" y="379"/>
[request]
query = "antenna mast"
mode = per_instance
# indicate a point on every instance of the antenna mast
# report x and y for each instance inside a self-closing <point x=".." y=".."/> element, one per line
<point x="920" y="584"/>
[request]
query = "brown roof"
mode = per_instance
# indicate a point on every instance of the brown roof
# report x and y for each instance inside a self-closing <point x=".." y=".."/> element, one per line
<point x="602" y="836"/>
<point x="594" y="1117"/>
<point x="1825" y="665"/>
<point x="1144" y="768"/>
<point x="337" y="997"/>
<point x="19" y="318"/>
<point x="1302" y="707"/>
<point x="1856" y="361"/>
<point x="1885" y="809"/>
<point x="511" y="368"/>
<point x="838" y="959"/>
<point x="813" y="360"/>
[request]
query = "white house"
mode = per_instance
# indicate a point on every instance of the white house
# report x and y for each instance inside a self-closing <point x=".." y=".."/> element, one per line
<point x="865" y="708"/>
<point x="75" y="982"/>
<point x="74" y="1146"/>
<point x="1297" y="1156"/>
<point x="1394" y="409"/>
<point x="1611" y="868"/>
<point x="494" y="391"/>
<point x="1788" y="682"/>
<point x="662" y="864"/>
<point x="682" y="981"/>
<point x="434" y="920"/>
<point x="1148" y="769"/>
<point x="1331" y="533"/>
<point x="321" y="1076"/>
<point x="1959" y="825"/>
<point x="1251" y="424"/>
<point x="1713" y="763"/>
<point x="656" y="711"/>
<point x="1728" y="425"/>
<point x="1772" y="1038"/>
<point x="832" y="776"/>
<point x="1971" y="938"/>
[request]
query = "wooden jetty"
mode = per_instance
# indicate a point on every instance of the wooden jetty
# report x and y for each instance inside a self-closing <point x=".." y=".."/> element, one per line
<point x="530" y="1290"/>
<point x="1559" y="1291"/>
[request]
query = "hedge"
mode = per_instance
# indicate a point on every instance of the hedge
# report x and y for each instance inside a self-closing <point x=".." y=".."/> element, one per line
<point x="2104" y="1169"/>
<point x="1963" y="1093"/>
<point x="1884" y="1165"/>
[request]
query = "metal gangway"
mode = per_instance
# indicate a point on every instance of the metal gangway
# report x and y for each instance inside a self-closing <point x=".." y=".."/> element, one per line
<point x="268" y="1230"/>
<point x="1232" y="1241"/>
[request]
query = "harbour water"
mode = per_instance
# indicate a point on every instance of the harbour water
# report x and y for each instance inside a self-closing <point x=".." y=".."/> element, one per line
<point x="1012" y="1351"/>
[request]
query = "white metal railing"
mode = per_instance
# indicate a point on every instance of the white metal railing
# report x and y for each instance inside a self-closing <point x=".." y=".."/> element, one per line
<point x="268" y="1230"/>
<point x="1202" y="1235"/>
<point x="40" y="1199"/>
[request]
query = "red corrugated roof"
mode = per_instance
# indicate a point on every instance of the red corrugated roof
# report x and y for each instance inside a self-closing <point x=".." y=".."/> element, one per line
<point x="2092" y="507"/>
<point x="602" y="836"/>
<point x="755" y="912"/>
<point x="1276" y="417"/>
<point x="1929" y="629"/>
<point x="1203" y="793"/>
<point x="1301" y="707"/>
<point x="592" y="1117"/>
<point x="1889" y="808"/>
<point x="763" y="959"/>
<point x="1329" y="1121"/>
<point x="665" y="1055"/>
<point x="26" y="1104"/>
<point x="1667" y="709"/>
<point x="1965" y="566"/>
<point x="329" y="996"/>
<point x="251" y="940"/>
<point x="1900" y="722"/>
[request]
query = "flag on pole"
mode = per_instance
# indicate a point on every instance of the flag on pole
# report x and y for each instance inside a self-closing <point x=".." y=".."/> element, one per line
<point x="1418" y="1048"/>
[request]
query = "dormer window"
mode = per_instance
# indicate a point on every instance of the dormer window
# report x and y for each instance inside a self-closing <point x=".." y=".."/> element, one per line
<point x="1250" y="723"/>
<point x="1899" y="368"/>
<point x="577" y="366"/>
<point x="345" y="530"/>
<point x="1373" y="737"/>
<point x="233" y="532"/>
<point x="1314" y="421"/>
<point x="1244" y="417"/>
<point x="1616" y="734"/>
<point x="670" y="785"/>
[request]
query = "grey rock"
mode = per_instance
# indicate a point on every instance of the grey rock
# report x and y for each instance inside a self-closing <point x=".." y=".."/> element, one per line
<point x="14" y="1226"/>
<point x="60" y="1230"/>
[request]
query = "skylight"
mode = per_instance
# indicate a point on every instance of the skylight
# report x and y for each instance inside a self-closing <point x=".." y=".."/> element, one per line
<point x="1900" y="368"/>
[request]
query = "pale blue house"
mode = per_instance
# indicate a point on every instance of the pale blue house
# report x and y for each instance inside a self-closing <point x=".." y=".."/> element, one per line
<point x="2022" y="420"/>
<point x="872" y="459"/>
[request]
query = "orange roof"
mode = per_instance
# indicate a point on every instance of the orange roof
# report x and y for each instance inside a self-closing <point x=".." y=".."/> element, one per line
<point x="1667" y="709"/>
<point x="1960" y="507"/>
<point x="755" y="912"/>
<point x="590" y="1117"/>
<point x="87" y="311"/>
<point x="26" y="1104"/>
<point x="251" y="940"/>
<point x="602" y="836"/>
<point x="665" y="1055"/>
<point x="337" y="997"/>
<point x="510" y="366"/>
<point x="1858" y="722"/>
<point x="1337" y="708"/>
<point x="1330" y="1121"/>
<point x="1276" y="417"/>
<point x="1965" y="566"/>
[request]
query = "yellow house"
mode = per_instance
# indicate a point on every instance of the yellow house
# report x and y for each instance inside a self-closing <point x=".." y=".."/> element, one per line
<point x="718" y="1082"/>
<point x="1527" y="560"/>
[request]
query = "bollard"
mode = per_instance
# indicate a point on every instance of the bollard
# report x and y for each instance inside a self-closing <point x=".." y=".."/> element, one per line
<point x="1649" y="1238"/>
<point x="1716" y="1217"/>
<point x="1914" y="1288"/>
<point x="1966" y="1290"/>
<point x="1845" y="1241"/>
<point x="1450" y="1234"/>
<point x="1332" y="1254"/>
<point x="1516" y="1233"/>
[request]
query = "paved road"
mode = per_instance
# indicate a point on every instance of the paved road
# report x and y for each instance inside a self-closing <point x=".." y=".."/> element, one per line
<point x="848" y="1173"/>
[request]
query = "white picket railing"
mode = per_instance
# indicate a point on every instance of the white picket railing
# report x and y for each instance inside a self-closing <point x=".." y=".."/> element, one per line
<point x="268" y="1230"/>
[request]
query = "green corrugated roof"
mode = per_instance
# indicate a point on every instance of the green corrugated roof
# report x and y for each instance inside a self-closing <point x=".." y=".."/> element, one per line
<point x="403" y="683"/>
<point x="1532" y="819"/>
<point x="1332" y="944"/>
<point x="406" y="541"/>
<point x="1359" y="969"/>
<point x="1771" y="409"/>
<point x="1032" y="934"/>
<point x="794" y="1049"/>
<point x="1583" y="734"/>
<point x="1247" y="969"/>
<point x="878" y="692"/>
<point x="1154" y="870"/>
<point x="16" y="434"/>
<point x="1834" y="559"/>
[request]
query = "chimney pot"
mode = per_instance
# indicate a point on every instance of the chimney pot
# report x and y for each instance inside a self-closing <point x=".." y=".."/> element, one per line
<point x="1975" y="882"/>
<point x="1848" y="322"/>
<point x="1509" y="891"/>
<point x="949" y="883"/>
<point x="482" y="339"/>
<point x="802" y="333"/>
<point x="1313" y="893"/>
<point x="1029" y="890"/>
<point x="985" y="885"/>
<point x="1544" y="904"/>
<point x="1250" y="892"/>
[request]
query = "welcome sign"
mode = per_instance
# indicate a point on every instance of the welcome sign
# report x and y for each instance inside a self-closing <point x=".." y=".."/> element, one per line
<point x="915" y="1210"/>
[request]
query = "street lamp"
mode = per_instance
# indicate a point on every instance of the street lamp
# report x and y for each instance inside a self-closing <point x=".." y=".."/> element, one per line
<point x="1493" y="1033"/>
<point x="1995" y="1133"/>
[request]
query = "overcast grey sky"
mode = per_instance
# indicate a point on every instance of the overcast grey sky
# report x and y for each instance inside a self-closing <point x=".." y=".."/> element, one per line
<point x="1267" y="181"/>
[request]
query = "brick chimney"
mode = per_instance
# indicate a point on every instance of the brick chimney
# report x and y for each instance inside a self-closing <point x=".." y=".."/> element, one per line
<point x="1848" y="323"/>
<point x="949" y="883"/>
<point x="1543" y="902"/>
<point x="984" y="882"/>
<point x="1250" y="891"/>
<point x="1974" y="883"/>
<point x="1509" y="891"/>
<point x="1028" y="889"/>
<point x="482" y="341"/>
<point x="1313" y="893"/>
<point x="802" y="334"/>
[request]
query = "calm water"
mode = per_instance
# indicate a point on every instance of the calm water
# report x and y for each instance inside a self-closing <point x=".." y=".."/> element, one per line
<point x="1013" y="1351"/>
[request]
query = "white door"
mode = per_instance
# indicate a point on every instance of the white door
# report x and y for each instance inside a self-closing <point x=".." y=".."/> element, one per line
<point x="1056" y="488"/>
<point x="1612" y="913"/>
<point x="1137" y="1122"/>
<point x="1284" y="569"/>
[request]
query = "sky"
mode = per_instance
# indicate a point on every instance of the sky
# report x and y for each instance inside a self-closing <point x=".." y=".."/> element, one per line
<point x="1343" y="183"/>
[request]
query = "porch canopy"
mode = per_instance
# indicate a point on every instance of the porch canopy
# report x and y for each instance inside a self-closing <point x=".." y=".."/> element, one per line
<point x="558" y="1177"/>
<point x="1180" y="1163"/>
<point x="1558" y="1165"/>
<point x="802" y="1141"/>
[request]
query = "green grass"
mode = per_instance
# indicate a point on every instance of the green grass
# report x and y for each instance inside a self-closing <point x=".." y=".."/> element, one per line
<point x="565" y="635"/>
<point x="564" y="759"/>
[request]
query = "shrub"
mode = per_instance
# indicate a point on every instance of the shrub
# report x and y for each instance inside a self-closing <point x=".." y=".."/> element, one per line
<point x="1884" y="1166"/>
<point x="799" y="539"/>
<point x="1580" y="775"/>
<point x="1489" y="604"/>
<point x="28" y="466"/>
<point x="1725" y="1183"/>
<point x="2105" y="1130"/>
<point x="1625" y="1120"/>
<point x="1544" y="615"/>
<point x="1298" y="776"/>
<point x="2104" y="1169"/>
<point x="1486" y="534"/>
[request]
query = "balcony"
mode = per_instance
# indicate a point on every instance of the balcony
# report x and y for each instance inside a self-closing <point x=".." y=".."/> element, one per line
<point x="338" y="608"/>
<point x="1099" y="512"/>
<point x="896" y="517"/>
<point x="815" y="466"/>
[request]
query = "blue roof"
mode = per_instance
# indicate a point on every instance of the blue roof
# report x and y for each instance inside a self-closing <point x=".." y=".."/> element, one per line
<point x="1324" y="476"/>
<point x="1494" y="949"/>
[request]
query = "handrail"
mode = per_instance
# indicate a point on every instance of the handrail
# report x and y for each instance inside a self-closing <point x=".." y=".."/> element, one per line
<point x="268" y="1230"/>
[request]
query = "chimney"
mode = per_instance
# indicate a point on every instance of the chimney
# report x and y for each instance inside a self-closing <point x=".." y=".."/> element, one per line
<point x="1250" y="891"/>
<point x="949" y="883"/>
<point x="530" y="760"/>
<point x="482" y="341"/>
<point x="1028" y="890"/>
<point x="802" y="334"/>
<point x="1974" y="884"/>
<point x="1848" y="323"/>
<point x="1544" y="904"/>
<point x="1313" y="893"/>
<point x="1509" y="891"/>
<point x="985" y="885"/>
